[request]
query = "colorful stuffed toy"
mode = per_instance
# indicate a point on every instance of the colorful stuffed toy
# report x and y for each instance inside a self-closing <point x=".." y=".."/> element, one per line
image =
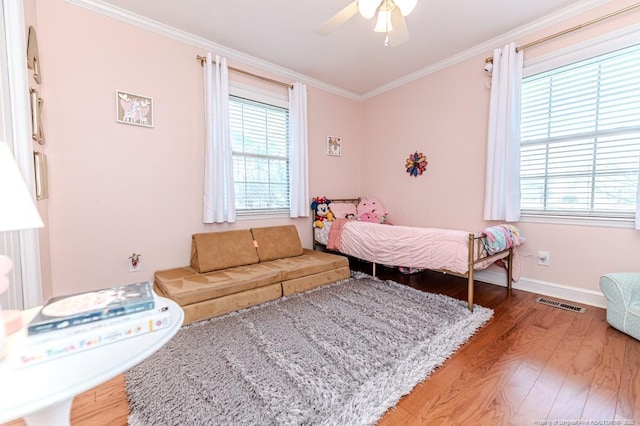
<point x="320" y="205"/>
<point x="371" y="210"/>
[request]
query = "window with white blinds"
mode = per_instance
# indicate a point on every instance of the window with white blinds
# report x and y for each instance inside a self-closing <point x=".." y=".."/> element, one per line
<point x="580" y="138"/>
<point x="259" y="135"/>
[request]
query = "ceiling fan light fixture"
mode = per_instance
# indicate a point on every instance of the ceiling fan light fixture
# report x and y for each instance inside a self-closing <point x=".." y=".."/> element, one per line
<point x="384" y="22"/>
<point x="367" y="8"/>
<point x="406" y="6"/>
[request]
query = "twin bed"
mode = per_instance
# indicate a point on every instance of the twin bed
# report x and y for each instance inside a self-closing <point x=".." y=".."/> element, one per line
<point x="445" y="250"/>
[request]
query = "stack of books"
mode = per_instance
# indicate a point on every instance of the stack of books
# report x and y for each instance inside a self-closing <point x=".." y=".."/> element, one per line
<point x="70" y="324"/>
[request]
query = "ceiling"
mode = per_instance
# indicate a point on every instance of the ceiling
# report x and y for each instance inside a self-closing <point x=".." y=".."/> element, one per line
<point x="352" y="58"/>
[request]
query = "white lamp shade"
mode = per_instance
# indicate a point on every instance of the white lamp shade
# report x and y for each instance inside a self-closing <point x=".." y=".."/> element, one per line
<point x="18" y="210"/>
<point x="384" y="22"/>
<point x="406" y="6"/>
<point x="368" y="8"/>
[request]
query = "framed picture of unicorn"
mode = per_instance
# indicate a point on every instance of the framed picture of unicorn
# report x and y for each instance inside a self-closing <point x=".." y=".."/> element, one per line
<point x="134" y="109"/>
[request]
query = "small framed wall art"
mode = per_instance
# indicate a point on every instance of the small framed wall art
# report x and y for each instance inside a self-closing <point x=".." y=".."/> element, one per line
<point x="334" y="146"/>
<point x="40" y="169"/>
<point x="33" y="57"/>
<point x="134" y="109"/>
<point x="37" y="132"/>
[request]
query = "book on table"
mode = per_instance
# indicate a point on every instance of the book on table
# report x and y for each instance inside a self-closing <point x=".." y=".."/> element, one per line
<point x="65" y="312"/>
<point x="42" y="347"/>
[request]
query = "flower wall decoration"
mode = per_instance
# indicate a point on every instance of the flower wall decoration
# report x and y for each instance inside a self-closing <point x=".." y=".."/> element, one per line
<point x="416" y="164"/>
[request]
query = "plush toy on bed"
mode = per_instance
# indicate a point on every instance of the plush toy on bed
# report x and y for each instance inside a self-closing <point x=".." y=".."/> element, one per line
<point x="320" y="205"/>
<point x="371" y="210"/>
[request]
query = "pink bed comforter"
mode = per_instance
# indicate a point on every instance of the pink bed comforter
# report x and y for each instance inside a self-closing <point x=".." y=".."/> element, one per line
<point x="428" y="248"/>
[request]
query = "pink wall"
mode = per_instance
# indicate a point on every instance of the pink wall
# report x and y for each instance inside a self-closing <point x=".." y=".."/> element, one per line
<point x="331" y="115"/>
<point x="116" y="189"/>
<point x="442" y="116"/>
<point x="445" y="116"/>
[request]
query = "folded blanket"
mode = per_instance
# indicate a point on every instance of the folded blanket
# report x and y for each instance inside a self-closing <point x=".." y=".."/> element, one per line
<point x="502" y="237"/>
<point x="335" y="233"/>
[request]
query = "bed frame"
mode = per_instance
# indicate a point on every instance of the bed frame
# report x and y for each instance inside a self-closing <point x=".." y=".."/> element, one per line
<point x="477" y="254"/>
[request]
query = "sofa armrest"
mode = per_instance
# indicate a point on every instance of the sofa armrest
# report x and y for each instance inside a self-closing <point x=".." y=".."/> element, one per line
<point x="621" y="288"/>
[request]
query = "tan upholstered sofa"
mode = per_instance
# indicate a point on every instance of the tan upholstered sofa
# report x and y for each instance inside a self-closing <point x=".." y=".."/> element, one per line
<point x="235" y="269"/>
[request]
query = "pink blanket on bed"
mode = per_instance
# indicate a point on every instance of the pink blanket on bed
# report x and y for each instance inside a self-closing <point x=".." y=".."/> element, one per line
<point x="335" y="234"/>
<point x="427" y="248"/>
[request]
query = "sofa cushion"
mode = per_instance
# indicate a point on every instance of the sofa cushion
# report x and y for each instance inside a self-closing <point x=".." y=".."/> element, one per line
<point x="222" y="305"/>
<point x="213" y="251"/>
<point x="277" y="242"/>
<point x="309" y="263"/>
<point x="174" y="274"/>
<point x="309" y="282"/>
<point x="194" y="288"/>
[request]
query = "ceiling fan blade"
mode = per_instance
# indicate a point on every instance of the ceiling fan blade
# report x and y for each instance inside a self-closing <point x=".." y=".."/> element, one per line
<point x="400" y="32"/>
<point x="338" y="19"/>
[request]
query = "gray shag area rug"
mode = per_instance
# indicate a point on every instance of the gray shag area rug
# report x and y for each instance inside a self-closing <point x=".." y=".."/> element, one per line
<point x="341" y="354"/>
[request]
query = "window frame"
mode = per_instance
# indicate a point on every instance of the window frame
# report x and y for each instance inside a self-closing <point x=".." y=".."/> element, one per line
<point x="597" y="46"/>
<point x="278" y="100"/>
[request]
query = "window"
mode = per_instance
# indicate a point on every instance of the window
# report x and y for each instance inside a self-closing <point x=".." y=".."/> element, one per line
<point x="580" y="138"/>
<point x="260" y="143"/>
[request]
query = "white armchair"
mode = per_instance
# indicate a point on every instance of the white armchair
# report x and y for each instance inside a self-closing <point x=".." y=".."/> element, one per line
<point x="622" y="291"/>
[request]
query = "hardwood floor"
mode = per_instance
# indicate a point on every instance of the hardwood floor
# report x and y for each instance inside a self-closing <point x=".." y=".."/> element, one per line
<point x="532" y="364"/>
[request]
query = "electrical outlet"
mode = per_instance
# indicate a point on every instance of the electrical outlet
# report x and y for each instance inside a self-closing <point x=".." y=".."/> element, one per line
<point x="136" y="268"/>
<point x="543" y="258"/>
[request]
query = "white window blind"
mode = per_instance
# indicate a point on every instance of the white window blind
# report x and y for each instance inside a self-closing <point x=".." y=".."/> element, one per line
<point x="260" y="146"/>
<point x="580" y="133"/>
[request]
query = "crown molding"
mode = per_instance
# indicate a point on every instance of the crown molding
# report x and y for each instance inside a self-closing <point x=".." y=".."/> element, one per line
<point x="140" y="21"/>
<point x="489" y="45"/>
<point x="115" y="12"/>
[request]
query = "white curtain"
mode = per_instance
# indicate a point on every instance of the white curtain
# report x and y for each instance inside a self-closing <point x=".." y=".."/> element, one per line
<point x="219" y="199"/>
<point x="502" y="186"/>
<point x="298" y="152"/>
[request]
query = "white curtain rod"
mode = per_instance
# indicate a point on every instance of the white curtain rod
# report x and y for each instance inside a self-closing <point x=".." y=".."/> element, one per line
<point x="202" y="60"/>
<point x="572" y="29"/>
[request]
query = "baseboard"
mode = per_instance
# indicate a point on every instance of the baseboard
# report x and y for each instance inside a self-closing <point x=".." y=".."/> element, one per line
<point x="573" y="294"/>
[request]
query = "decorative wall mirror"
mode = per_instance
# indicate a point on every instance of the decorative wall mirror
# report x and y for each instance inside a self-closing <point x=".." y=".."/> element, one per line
<point x="37" y="131"/>
<point x="33" y="60"/>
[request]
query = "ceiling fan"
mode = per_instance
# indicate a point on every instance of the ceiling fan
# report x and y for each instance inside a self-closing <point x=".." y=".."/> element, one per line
<point x="391" y="15"/>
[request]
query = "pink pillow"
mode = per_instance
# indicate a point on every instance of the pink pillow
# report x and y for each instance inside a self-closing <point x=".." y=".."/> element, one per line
<point x="342" y="210"/>
<point x="371" y="210"/>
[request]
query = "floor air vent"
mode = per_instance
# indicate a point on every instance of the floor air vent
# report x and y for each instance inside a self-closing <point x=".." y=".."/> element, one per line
<point x="561" y="305"/>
